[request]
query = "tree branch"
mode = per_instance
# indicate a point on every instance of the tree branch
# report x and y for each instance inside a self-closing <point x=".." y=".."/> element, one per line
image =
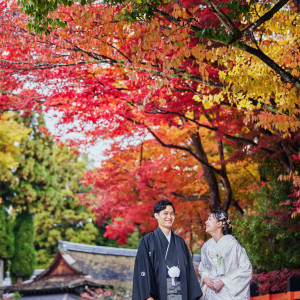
<point x="191" y="198"/>
<point x="285" y="76"/>
<point x="172" y="146"/>
<point x="118" y="165"/>
<point x="231" y="137"/>
<point x="237" y="206"/>
<point x="267" y="16"/>
<point x="225" y="20"/>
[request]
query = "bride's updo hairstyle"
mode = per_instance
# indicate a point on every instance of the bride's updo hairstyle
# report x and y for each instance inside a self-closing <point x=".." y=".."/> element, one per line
<point x="222" y="216"/>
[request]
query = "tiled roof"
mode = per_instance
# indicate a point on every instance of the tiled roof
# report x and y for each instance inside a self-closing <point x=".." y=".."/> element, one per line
<point x="78" y="265"/>
<point x="68" y="246"/>
<point x="106" y="264"/>
<point x="110" y="266"/>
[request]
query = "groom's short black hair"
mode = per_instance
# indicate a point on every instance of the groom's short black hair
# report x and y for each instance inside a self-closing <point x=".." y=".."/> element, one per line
<point x="161" y="205"/>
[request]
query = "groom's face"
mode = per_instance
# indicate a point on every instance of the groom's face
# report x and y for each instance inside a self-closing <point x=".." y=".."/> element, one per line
<point x="166" y="217"/>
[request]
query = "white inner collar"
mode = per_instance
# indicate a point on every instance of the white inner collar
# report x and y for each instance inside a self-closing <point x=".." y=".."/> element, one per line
<point x="168" y="236"/>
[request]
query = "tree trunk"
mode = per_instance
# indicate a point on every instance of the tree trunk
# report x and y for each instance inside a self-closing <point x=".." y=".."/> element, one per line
<point x="208" y="173"/>
<point x="19" y="280"/>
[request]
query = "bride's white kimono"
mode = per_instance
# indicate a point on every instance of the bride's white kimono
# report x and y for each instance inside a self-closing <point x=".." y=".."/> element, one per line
<point x="228" y="261"/>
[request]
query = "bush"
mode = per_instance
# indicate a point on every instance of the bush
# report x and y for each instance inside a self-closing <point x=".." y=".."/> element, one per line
<point x="267" y="231"/>
<point x="274" y="281"/>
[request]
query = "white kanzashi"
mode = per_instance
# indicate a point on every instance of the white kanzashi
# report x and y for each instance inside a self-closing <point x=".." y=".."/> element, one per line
<point x="225" y="260"/>
<point x="173" y="272"/>
<point x="222" y="217"/>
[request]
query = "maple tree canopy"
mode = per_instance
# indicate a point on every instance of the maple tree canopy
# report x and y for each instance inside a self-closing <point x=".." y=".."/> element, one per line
<point x="215" y="83"/>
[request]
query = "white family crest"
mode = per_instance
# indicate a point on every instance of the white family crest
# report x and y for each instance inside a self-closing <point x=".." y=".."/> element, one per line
<point x="173" y="272"/>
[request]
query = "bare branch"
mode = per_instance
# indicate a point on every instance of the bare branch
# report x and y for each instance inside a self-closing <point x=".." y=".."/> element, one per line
<point x="118" y="165"/>
<point x="225" y="20"/>
<point x="191" y="198"/>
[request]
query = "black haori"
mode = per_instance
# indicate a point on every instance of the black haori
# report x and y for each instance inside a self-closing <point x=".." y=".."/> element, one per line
<point x="150" y="271"/>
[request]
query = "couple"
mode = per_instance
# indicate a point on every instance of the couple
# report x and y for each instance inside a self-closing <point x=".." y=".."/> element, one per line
<point x="164" y="269"/>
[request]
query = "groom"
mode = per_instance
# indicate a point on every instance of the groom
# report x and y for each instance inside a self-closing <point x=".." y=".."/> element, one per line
<point x="163" y="267"/>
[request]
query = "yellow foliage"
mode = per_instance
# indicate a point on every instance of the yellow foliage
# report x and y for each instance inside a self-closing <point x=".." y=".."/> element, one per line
<point x="11" y="134"/>
<point x="251" y="85"/>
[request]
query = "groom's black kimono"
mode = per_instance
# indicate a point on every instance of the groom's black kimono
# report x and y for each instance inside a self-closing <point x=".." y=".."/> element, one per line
<point x="150" y="271"/>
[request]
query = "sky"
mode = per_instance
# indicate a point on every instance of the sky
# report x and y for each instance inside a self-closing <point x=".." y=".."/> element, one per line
<point x="95" y="152"/>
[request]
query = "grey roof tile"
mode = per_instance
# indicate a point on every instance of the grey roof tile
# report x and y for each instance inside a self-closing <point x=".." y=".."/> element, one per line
<point x="69" y="246"/>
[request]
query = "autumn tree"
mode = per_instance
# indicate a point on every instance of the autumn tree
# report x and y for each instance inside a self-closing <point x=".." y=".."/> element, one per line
<point x="11" y="134"/>
<point x="133" y="178"/>
<point x="180" y="104"/>
<point x="34" y="184"/>
<point x="173" y="71"/>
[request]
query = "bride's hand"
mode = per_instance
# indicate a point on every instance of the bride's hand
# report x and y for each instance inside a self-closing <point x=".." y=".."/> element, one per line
<point x="209" y="282"/>
<point x="218" y="286"/>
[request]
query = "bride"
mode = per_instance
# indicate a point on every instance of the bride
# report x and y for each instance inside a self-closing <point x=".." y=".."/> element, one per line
<point x="225" y="268"/>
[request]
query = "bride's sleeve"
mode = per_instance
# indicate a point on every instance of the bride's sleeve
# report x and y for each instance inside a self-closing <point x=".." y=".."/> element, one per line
<point x="238" y="280"/>
<point x="203" y="266"/>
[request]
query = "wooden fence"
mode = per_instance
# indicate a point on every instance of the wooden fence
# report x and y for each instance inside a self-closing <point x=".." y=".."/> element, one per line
<point x="281" y="296"/>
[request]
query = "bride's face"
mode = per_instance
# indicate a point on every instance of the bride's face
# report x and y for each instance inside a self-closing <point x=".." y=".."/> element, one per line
<point x="212" y="225"/>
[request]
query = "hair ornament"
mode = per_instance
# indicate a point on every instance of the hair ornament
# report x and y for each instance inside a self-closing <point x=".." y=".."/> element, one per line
<point x="222" y="217"/>
<point x="225" y="221"/>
